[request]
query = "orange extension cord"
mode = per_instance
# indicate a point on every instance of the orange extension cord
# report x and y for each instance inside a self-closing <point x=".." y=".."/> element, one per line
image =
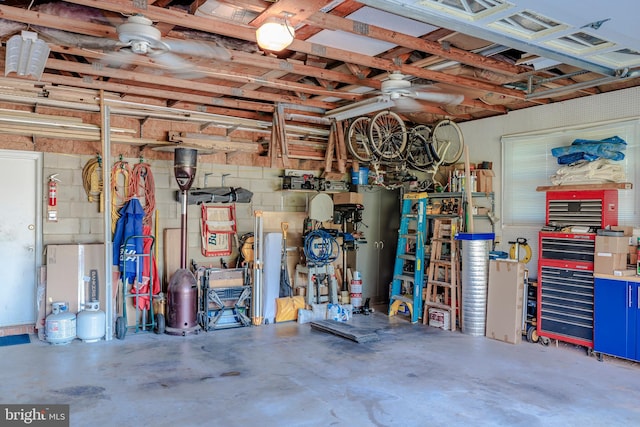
<point x="142" y="186"/>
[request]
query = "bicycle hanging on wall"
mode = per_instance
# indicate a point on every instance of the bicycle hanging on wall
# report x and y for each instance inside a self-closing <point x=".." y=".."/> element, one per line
<point x="392" y="150"/>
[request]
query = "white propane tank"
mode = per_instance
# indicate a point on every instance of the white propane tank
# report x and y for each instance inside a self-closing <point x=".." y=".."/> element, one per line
<point x="60" y="326"/>
<point x="91" y="323"/>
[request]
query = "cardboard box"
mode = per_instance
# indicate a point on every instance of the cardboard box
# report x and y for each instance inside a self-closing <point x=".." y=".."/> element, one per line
<point x="484" y="180"/>
<point x="348" y="199"/>
<point x="612" y="244"/>
<point x="439" y="319"/>
<point x="226" y="278"/>
<point x="624" y="273"/>
<point x="72" y="271"/>
<point x="607" y="262"/>
<point x="505" y="299"/>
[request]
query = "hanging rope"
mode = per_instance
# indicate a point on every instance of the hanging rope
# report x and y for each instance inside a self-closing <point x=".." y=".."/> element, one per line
<point x="92" y="180"/>
<point x="142" y="186"/>
<point x="120" y="173"/>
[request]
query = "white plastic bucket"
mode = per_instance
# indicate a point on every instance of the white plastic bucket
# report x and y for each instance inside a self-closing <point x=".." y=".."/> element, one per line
<point x="356" y="291"/>
<point x="356" y="286"/>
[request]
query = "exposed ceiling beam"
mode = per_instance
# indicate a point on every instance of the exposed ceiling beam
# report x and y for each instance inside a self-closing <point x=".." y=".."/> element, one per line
<point x="142" y="78"/>
<point x="99" y="30"/>
<point x="191" y="98"/>
<point x="296" y="11"/>
<point x="247" y="33"/>
<point x="332" y="22"/>
<point x="57" y="22"/>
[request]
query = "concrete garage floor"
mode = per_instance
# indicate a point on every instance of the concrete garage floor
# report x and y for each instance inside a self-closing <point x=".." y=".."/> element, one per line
<point x="290" y="375"/>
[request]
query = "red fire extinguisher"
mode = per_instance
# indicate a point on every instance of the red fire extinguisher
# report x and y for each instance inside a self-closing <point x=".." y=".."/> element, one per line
<point x="53" y="190"/>
<point x="52" y="210"/>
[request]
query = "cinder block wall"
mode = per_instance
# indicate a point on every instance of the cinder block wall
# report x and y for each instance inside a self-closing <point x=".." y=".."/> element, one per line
<point x="80" y="221"/>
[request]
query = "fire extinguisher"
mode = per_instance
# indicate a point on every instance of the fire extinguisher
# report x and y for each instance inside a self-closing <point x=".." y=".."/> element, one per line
<point x="53" y="190"/>
<point x="52" y="210"/>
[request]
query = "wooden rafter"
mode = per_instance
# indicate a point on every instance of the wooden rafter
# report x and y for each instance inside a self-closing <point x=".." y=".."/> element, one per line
<point x="241" y="32"/>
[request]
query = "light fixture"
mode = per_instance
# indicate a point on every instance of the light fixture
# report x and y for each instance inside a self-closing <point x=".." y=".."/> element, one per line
<point x="275" y="34"/>
<point x="26" y="55"/>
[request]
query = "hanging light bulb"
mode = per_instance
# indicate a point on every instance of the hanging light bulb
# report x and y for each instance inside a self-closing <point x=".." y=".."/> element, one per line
<point x="275" y="34"/>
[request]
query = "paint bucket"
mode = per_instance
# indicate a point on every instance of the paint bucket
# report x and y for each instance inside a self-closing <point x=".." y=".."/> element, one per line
<point x="356" y="292"/>
<point x="355" y="177"/>
<point x="344" y="297"/>
<point x="363" y="176"/>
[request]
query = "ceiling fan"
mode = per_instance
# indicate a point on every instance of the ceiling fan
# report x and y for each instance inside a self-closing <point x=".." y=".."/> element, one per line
<point x="397" y="94"/>
<point x="138" y="36"/>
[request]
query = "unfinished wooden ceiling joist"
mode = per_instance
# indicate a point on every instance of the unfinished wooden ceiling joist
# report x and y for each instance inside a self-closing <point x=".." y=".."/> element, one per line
<point x="499" y="56"/>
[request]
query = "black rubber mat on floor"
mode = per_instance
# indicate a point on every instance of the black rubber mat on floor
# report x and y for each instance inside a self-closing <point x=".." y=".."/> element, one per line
<point x="345" y="330"/>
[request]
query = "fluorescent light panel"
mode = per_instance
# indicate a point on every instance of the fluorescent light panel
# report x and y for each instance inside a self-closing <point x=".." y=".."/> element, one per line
<point x="26" y="55"/>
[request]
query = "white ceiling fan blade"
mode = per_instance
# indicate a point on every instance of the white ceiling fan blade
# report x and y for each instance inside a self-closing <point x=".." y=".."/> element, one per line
<point x="361" y="108"/>
<point x="177" y="65"/>
<point x="406" y="104"/>
<point x="118" y="58"/>
<point x="198" y="48"/>
<point x="438" y="97"/>
<point x="66" y="38"/>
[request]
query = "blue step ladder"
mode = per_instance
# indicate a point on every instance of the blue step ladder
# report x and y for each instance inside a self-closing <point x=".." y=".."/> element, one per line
<point x="409" y="265"/>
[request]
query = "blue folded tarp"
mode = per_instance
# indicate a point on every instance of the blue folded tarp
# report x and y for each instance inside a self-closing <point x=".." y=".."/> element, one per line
<point x="590" y="150"/>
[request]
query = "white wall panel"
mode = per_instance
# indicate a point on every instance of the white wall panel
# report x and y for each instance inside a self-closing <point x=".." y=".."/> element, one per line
<point x="483" y="136"/>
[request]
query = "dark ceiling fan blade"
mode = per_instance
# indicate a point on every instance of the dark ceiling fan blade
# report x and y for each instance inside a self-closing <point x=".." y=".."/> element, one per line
<point x="198" y="48"/>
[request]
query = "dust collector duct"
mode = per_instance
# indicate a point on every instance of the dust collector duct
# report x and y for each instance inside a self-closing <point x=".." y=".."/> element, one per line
<point x="475" y="276"/>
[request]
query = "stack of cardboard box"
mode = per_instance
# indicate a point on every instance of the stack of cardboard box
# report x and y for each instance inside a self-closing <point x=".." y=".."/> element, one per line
<point x="611" y="254"/>
<point x="617" y="255"/>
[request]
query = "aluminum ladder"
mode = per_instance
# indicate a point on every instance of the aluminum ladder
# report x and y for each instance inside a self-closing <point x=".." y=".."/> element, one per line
<point x="409" y="265"/>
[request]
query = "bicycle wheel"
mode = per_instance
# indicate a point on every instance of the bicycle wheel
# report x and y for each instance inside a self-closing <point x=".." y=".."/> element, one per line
<point x="358" y="139"/>
<point x="388" y="135"/>
<point x="420" y="148"/>
<point x="445" y="132"/>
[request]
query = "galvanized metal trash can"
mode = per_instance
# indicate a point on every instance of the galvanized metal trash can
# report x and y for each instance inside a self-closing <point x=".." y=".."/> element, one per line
<point x="474" y="279"/>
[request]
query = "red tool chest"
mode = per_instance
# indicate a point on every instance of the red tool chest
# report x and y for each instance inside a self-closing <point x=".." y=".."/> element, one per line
<point x="565" y="283"/>
<point x="593" y="208"/>
<point x="565" y="263"/>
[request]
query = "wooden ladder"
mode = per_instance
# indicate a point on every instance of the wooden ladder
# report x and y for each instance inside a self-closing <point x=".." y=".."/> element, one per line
<point x="443" y="278"/>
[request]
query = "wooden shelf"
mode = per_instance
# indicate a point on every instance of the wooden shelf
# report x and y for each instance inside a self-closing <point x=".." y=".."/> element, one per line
<point x="603" y="186"/>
